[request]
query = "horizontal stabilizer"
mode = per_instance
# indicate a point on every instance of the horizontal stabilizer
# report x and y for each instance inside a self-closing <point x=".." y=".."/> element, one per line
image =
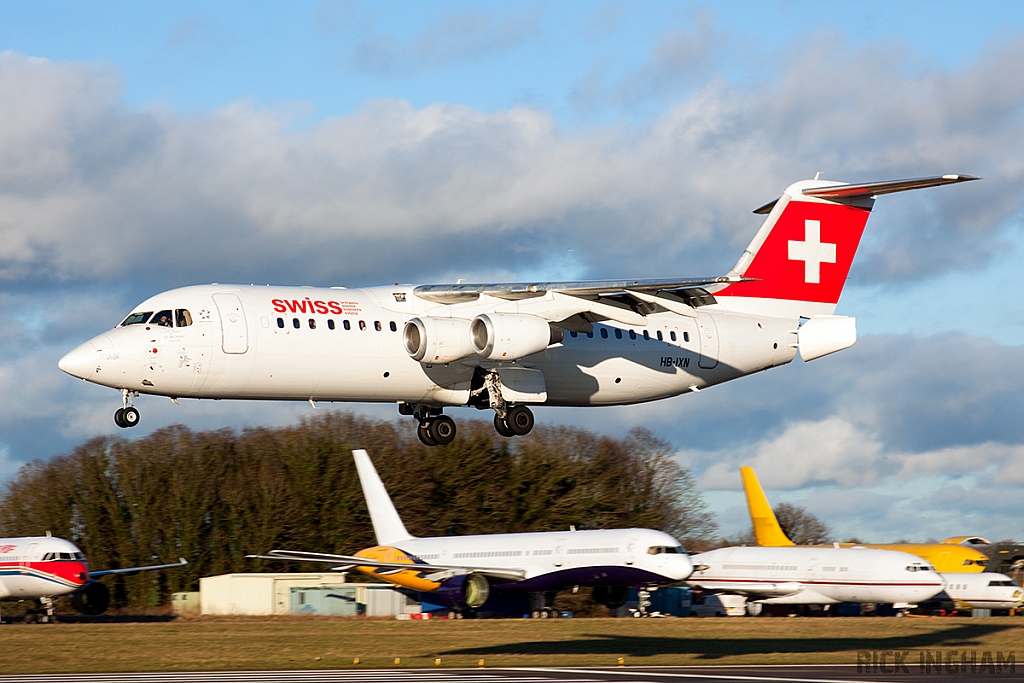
<point x="884" y="187"/>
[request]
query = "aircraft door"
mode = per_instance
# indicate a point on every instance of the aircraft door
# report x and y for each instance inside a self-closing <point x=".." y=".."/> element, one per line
<point x="631" y="551"/>
<point x="708" y="332"/>
<point x="234" y="332"/>
<point x="559" y="557"/>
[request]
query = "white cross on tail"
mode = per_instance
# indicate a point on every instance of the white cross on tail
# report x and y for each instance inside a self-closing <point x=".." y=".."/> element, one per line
<point x="812" y="252"/>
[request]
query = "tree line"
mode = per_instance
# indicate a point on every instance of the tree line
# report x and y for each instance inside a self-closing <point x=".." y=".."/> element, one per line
<point x="215" y="496"/>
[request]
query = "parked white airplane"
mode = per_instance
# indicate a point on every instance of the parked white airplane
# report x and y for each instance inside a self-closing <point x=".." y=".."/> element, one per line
<point x="504" y="346"/>
<point x="982" y="591"/>
<point x="463" y="571"/>
<point x="816" y="576"/>
<point x="42" y="568"/>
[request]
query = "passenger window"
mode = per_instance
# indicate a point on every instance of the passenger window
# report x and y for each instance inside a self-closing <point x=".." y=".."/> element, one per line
<point x="182" y="318"/>
<point x="137" y="318"/>
<point x="632" y="334"/>
<point x="604" y="333"/>
<point x="672" y="335"/>
<point x="280" y="322"/>
<point x="330" y="323"/>
<point x="393" y="326"/>
<point x="660" y="338"/>
<point x="163" y="319"/>
<point x="573" y="334"/>
<point x="376" y="325"/>
<point x="295" y="323"/>
<point x="590" y="335"/>
<point x="362" y="324"/>
<point x="618" y="334"/>
<point x="646" y="335"/>
<point x="312" y="324"/>
<point x="346" y="324"/>
<point x="686" y="336"/>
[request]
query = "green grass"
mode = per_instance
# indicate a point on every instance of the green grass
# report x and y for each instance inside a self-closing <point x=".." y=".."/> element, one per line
<point x="286" y="643"/>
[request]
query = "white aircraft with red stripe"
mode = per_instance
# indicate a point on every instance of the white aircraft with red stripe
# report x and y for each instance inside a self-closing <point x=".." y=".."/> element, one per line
<point x="42" y="568"/>
<point x="504" y="346"/>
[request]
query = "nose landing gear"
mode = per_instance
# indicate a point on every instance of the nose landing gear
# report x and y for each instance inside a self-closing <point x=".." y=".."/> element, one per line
<point x="128" y="416"/>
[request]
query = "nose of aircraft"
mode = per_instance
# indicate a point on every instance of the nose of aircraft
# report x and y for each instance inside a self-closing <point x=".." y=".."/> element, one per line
<point x="80" y="361"/>
<point x="684" y="567"/>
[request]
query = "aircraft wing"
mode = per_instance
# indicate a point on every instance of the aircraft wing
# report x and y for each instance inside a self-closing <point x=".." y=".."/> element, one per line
<point x="346" y="562"/>
<point x="751" y="589"/>
<point x="625" y="301"/>
<point x="128" y="570"/>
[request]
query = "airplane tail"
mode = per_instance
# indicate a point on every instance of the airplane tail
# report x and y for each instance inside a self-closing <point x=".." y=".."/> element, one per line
<point x="387" y="525"/>
<point x="799" y="259"/>
<point x="767" y="529"/>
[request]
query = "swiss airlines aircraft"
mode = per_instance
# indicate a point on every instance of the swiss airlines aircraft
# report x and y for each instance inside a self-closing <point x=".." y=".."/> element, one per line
<point x="504" y="346"/>
<point x="462" y="571"/>
<point x="945" y="557"/>
<point x="42" y="568"/>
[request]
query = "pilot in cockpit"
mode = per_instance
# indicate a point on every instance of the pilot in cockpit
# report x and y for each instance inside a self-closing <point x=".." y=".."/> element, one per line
<point x="163" y="318"/>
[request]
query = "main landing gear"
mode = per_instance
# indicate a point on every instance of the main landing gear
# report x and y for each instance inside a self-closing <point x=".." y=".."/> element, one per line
<point x="128" y="416"/>
<point x="435" y="429"/>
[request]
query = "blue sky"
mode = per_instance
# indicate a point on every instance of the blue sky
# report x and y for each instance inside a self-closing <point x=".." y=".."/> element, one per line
<point x="145" y="146"/>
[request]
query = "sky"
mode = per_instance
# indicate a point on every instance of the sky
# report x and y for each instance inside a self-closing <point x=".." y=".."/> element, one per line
<point x="145" y="146"/>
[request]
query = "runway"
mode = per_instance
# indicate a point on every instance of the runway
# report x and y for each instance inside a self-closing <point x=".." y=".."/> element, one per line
<point x="839" y="673"/>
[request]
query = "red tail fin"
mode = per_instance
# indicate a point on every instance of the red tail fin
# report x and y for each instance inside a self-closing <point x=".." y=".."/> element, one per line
<point x="800" y="258"/>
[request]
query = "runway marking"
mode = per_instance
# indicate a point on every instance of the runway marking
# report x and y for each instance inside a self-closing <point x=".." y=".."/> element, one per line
<point x="719" y="676"/>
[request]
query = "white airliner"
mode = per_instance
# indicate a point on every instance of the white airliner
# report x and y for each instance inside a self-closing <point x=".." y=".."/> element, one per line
<point x="462" y="572"/>
<point x="987" y="590"/>
<point x="42" y="568"/>
<point x="504" y="346"/>
<point x="816" y="576"/>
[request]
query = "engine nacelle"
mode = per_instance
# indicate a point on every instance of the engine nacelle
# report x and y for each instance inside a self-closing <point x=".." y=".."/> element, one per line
<point x="825" y="334"/>
<point x="464" y="591"/>
<point x="93" y="598"/>
<point x="611" y="597"/>
<point x="438" y="340"/>
<point x="505" y="336"/>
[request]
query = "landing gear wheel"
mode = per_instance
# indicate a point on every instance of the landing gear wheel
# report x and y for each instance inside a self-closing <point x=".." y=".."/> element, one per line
<point x="423" y="432"/>
<point x="520" y="420"/>
<point x="119" y="418"/>
<point x="130" y="416"/>
<point x="442" y="429"/>
<point x="502" y="427"/>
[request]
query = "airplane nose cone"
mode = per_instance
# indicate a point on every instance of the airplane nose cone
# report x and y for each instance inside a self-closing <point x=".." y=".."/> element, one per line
<point x="80" y="361"/>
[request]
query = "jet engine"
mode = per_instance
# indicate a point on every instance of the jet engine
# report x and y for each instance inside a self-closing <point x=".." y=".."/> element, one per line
<point x="437" y="340"/>
<point x="464" y="591"/>
<point x="611" y="597"/>
<point x="93" y="598"/>
<point x="505" y="336"/>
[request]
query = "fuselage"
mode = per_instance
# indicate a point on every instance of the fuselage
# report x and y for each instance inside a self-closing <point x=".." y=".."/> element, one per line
<point x="819" y="576"/>
<point x="550" y="561"/>
<point x="40" y="566"/>
<point x="302" y="343"/>
<point x="987" y="590"/>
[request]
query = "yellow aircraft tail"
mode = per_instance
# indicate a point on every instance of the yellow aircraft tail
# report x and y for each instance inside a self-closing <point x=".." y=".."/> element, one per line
<point x="767" y="529"/>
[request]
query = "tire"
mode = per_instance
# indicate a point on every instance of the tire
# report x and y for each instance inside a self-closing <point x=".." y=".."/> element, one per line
<point x="545" y="614"/>
<point x="502" y="427"/>
<point x="130" y="417"/>
<point x="423" y="432"/>
<point x="535" y="614"/>
<point x="119" y="418"/>
<point x="520" y="420"/>
<point x="442" y="430"/>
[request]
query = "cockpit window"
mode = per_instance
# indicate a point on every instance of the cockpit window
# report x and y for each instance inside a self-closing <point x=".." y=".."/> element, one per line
<point x="182" y="318"/>
<point x="163" y="319"/>
<point x="136" y="318"/>
<point x="662" y="549"/>
<point x="920" y="568"/>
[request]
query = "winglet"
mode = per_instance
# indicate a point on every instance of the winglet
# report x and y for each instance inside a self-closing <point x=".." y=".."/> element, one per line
<point x="767" y="529"/>
<point x="387" y="525"/>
